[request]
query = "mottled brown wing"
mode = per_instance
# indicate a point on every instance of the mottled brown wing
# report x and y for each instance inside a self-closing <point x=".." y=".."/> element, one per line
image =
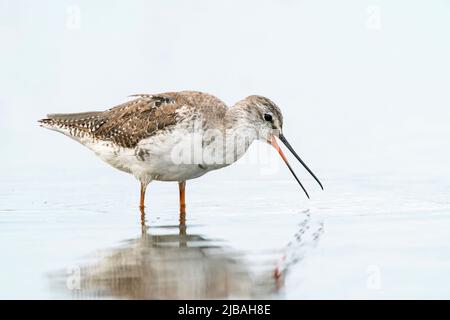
<point x="125" y="124"/>
<point x="130" y="122"/>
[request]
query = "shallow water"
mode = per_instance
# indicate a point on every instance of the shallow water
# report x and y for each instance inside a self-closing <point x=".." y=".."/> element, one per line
<point x="239" y="239"/>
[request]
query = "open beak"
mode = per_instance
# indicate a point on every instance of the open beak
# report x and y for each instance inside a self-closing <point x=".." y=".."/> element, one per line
<point x="274" y="143"/>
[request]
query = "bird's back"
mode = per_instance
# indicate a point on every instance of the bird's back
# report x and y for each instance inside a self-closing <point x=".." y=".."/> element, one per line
<point x="149" y="114"/>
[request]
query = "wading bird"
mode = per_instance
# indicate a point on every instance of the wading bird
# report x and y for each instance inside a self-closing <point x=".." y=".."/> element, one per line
<point x="153" y="135"/>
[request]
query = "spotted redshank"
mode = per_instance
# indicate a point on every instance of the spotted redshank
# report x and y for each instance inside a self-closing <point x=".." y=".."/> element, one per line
<point x="175" y="136"/>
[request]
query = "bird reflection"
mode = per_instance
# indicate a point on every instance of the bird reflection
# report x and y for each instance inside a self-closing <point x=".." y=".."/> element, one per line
<point x="168" y="262"/>
<point x="174" y="265"/>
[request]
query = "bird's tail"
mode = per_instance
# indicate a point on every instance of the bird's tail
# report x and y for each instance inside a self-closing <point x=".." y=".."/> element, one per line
<point x="64" y="121"/>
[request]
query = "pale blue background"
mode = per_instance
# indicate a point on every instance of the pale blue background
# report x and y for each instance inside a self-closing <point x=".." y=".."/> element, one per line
<point x="356" y="100"/>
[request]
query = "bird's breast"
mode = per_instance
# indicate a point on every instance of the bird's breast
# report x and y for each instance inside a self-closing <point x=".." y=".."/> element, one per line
<point x="174" y="155"/>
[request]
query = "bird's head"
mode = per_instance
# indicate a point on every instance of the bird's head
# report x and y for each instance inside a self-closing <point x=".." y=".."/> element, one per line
<point x="266" y="117"/>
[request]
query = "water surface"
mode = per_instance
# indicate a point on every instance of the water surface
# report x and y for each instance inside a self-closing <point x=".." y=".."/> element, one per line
<point x="239" y="239"/>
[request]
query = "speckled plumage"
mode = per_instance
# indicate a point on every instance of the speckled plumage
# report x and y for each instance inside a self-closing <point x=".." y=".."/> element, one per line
<point x="128" y="123"/>
<point x="140" y="136"/>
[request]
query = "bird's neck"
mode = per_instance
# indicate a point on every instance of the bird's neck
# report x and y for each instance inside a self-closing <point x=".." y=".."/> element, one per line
<point x="240" y="132"/>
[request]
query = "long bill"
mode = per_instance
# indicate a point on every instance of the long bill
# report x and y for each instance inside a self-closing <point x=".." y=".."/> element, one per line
<point x="286" y="143"/>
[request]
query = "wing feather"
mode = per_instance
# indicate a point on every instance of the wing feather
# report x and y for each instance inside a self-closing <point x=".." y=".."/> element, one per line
<point x="125" y="124"/>
<point x="128" y="123"/>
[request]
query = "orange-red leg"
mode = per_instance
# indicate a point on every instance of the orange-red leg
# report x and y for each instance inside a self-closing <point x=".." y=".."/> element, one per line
<point x="182" y="187"/>
<point x="142" y="202"/>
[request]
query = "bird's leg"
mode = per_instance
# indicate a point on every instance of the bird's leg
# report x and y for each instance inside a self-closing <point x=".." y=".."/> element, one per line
<point x="144" y="185"/>
<point x="143" y="224"/>
<point x="142" y="203"/>
<point x="182" y="187"/>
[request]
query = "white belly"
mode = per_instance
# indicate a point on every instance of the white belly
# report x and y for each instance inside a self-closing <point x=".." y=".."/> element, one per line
<point x="168" y="157"/>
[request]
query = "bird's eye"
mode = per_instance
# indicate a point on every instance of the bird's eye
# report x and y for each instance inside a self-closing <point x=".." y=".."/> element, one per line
<point x="267" y="117"/>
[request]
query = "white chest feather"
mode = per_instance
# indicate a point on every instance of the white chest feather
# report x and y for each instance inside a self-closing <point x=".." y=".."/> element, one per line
<point x="172" y="155"/>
